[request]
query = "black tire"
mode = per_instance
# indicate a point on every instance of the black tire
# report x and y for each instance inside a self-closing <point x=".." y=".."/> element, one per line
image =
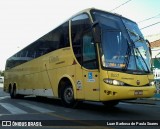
<point x="10" y="91"/>
<point x="67" y="96"/>
<point x="110" y="104"/>
<point x="13" y="93"/>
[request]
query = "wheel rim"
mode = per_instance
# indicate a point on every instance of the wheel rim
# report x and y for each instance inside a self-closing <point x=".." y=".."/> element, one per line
<point x="68" y="95"/>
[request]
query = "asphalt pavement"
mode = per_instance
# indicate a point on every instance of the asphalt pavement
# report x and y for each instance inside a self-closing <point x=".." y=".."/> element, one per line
<point x="155" y="100"/>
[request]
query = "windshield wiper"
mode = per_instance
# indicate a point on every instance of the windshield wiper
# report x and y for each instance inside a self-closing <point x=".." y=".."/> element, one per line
<point x="137" y="50"/>
<point x="128" y="53"/>
<point x="140" y="38"/>
<point x="132" y="32"/>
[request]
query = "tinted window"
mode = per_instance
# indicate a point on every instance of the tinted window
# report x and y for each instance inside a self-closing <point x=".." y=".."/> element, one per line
<point x="80" y="24"/>
<point x="82" y="41"/>
<point x="56" y="39"/>
<point x="89" y="51"/>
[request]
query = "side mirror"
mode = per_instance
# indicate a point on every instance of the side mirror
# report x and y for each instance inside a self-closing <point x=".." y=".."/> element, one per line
<point x="96" y="32"/>
<point x="149" y="46"/>
<point x="95" y="23"/>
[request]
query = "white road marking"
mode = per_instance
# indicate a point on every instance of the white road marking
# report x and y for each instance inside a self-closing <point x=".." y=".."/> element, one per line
<point x="4" y="97"/>
<point x="12" y="109"/>
<point x="39" y="109"/>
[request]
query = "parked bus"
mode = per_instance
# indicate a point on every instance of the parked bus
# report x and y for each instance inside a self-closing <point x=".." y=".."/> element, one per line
<point x="93" y="56"/>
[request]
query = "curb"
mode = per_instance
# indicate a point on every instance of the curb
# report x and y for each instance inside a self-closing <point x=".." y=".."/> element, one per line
<point x="140" y="102"/>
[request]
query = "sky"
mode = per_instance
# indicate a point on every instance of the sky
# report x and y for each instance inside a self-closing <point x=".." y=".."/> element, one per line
<point x="24" y="21"/>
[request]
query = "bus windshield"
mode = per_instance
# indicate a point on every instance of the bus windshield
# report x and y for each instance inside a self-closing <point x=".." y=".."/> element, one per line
<point x="122" y="45"/>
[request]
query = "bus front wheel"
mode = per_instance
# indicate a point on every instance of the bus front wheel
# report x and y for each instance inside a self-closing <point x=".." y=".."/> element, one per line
<point x="67" y="96"/>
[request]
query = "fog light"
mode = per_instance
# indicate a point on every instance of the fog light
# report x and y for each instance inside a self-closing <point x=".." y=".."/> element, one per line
<point x="152" y="83"/>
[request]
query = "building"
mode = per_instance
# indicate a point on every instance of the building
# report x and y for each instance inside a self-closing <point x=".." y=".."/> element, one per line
<point x="155" y="47"/>
<point x="153" y="37"/>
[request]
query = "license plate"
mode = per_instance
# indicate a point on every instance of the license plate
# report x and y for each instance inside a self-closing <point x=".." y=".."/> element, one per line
<point x="138" y="92"/>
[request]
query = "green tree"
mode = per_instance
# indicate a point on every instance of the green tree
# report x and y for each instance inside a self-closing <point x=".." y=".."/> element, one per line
<point x="1" y="73"/>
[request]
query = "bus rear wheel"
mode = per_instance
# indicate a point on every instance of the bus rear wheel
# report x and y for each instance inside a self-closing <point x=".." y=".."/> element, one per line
<point x="67" y="96"/>
<point x="12" y="92"/>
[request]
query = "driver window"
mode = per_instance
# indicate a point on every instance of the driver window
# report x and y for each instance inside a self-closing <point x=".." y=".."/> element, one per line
<point x="89" y="52"/>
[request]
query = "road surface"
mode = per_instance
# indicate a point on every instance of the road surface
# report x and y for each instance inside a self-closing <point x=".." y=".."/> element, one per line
<point x="49" y="113"/>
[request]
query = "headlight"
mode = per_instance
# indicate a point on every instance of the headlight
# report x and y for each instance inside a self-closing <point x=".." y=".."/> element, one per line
<point x="113" y="82"/>
<point x="151" y="83"/>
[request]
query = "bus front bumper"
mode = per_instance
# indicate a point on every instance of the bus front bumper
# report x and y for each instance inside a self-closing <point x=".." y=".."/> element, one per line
<point x="121" y="92"/>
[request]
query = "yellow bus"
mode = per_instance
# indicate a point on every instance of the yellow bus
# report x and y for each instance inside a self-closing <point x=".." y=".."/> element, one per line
<point x="93" y="56"/>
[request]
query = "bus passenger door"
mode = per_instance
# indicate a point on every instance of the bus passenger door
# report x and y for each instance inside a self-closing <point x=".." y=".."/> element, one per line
<point x="91" y="84"/>
<point x="90" y="68"/>
<point x="87" y="75"/>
